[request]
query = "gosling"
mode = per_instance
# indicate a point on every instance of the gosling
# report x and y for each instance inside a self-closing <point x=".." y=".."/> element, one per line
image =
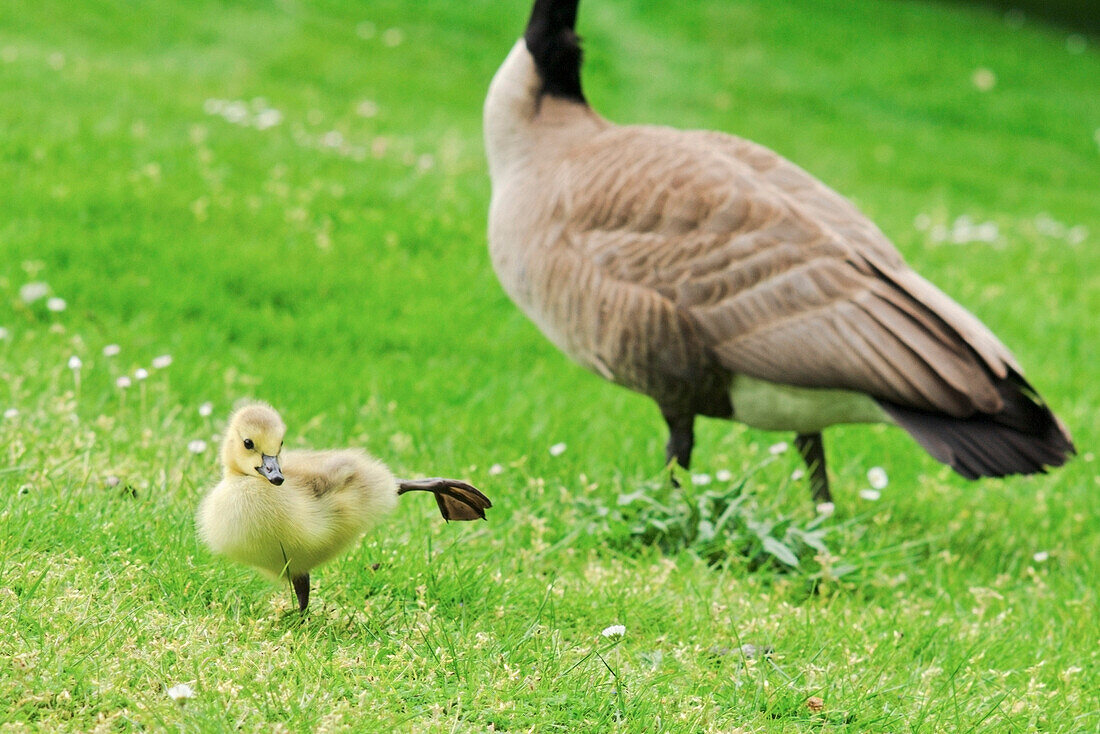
<point x="286" y="512"/>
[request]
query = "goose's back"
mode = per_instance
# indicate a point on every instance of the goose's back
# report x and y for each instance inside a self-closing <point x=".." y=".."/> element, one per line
<point x="669" y="261"/>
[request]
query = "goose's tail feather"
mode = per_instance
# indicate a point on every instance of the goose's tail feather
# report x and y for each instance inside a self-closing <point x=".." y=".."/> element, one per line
<point x="1025" y="437"/>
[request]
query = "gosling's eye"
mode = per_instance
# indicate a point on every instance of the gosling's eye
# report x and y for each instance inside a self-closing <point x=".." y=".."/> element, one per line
<point x="248" y="444"/>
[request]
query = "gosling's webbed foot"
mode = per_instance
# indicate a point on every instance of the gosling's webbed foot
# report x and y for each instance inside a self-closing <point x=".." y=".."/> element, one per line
<point x="301" y="590"/>
<point x="457" y="500"/>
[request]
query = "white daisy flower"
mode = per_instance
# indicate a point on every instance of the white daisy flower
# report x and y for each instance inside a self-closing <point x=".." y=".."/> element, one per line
<point x="75" y="363"/>
<point x="393" y="37"/>
<point x="876" y="475"/>
<point x="1041" y="557"/>
<point x="162" y="361"/>
<point x="983" y="79"/>
<point x="57" y="305"/>
<point x="235" y="112"/>
<point x="3" y="333"/>
<point x="870" y="494"/>
<point x="826" y="509"/>
<point x="496" y="469"/>
<point x="367" y="108"/>
<point x="1049" y="226"/>
<point x="31" y="292"/>
<point x="141" y="373"/>
<point x="700" y="480"/>
<point x="614" y="631"/>
<point x="111" y="350"/>
<point x="123" y="382"/>
<point x="723" y="475"/>
<point x="557" y="449"/>
<point x="778" y="448"/>
<point x="267" y="118"/>
<point x="197" y="446"/>
<point x="11" y="413"/>
<point x="180" y="692"/>
<point x="206" y="409"/>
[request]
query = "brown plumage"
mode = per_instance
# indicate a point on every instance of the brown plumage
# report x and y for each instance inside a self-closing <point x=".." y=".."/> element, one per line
<point x="720" y="279"/>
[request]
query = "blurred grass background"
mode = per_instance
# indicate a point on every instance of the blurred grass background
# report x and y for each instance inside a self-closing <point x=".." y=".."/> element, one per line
<point x="1082" y="15"/>
<point x="289" y="200"/>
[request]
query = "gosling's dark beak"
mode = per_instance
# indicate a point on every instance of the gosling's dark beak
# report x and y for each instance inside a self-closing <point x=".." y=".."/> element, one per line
<point x="271" y="470"/>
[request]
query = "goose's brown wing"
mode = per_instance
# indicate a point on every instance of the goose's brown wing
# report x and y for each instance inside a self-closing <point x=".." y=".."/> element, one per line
<point x="785" y="278"/>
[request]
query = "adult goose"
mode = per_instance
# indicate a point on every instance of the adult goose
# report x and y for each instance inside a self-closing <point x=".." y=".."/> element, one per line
<point x="718" y="278"/>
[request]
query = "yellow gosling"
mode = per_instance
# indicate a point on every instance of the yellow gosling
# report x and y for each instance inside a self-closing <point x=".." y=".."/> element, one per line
<point x="287" y="512"/>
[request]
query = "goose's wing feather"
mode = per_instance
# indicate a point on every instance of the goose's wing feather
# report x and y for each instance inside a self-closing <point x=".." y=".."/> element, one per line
<point x="785" y="278"/>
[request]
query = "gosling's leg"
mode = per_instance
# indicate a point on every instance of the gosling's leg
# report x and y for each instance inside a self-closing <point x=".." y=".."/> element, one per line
<point x="681" y="440"/>
<point x="812" y="448"/>
<point x="457" y="500"/>
<point x="301" y="590"/>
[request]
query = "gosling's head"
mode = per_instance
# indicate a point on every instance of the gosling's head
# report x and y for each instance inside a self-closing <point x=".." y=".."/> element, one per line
<point x="253" y="441"/>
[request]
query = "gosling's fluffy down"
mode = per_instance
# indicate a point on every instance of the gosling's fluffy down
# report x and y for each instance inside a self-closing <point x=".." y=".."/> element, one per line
<point x="287" y="512"/>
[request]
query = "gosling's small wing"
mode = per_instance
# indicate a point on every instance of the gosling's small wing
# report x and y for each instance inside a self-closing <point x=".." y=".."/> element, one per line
<point x="321" y="473"/>
<point x="785" y="279"/>
<point x="314" y="472"/>
<point x="457" y="500"/>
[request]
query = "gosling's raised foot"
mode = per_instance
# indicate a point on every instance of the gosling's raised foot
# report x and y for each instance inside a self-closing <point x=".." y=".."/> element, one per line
<point x="457" y="500"/>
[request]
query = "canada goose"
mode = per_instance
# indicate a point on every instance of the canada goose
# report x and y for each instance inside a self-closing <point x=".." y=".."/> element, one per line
<point x="716" y="277"/>
<point x="285" y="513"/>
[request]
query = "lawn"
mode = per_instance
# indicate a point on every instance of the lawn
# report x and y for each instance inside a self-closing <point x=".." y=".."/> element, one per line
<point x="204" y="201"/>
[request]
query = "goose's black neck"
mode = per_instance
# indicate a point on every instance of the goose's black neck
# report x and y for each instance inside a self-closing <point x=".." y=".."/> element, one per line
<point x="554" y="44"/>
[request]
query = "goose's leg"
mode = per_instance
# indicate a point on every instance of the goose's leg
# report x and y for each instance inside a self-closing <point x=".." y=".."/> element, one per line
<point x="301" y="590"/>
<point x="812" y="449"/>
<point x="681" y="439"/>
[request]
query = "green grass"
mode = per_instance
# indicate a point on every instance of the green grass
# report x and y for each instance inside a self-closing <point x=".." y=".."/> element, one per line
<point x="345" y="279"/>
